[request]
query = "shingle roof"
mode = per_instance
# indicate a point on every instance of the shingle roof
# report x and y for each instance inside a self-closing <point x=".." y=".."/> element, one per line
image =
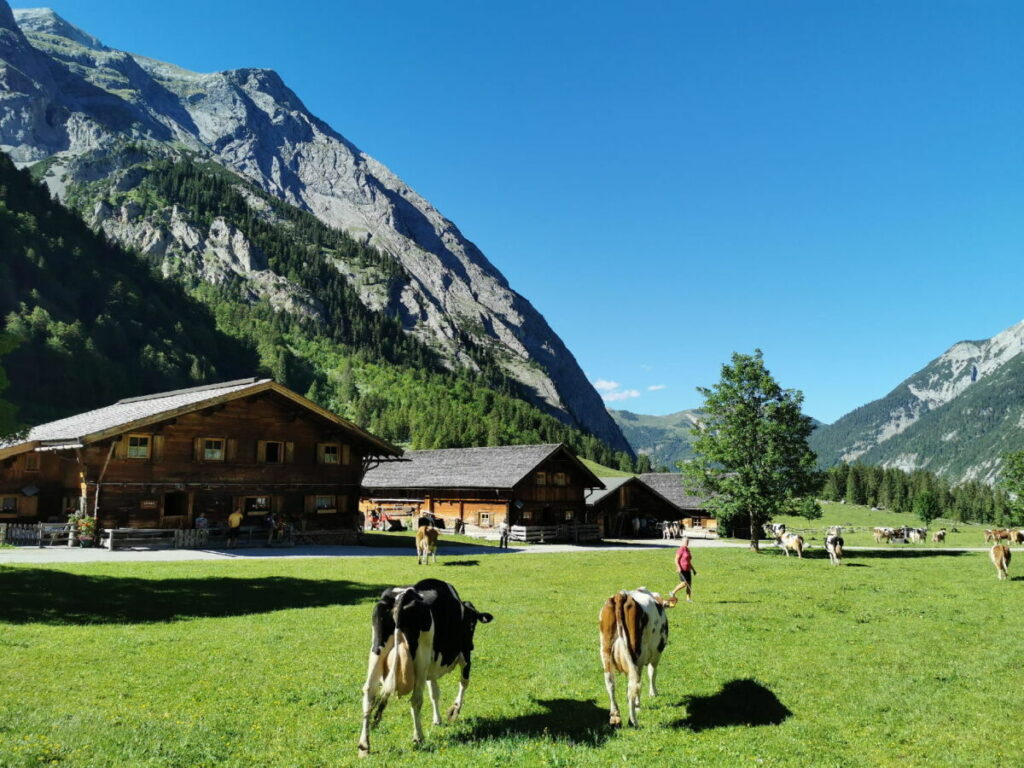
<point x="670" y="485"/>
<point x="493" y="467"/>
<point x="611" y="484"/>
<point x="135" y="410"/>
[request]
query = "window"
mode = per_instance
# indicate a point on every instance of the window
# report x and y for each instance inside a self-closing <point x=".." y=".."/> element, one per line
<point x="330" y="453"/>
<point x="213" y="449"/>
<point x="561" y="478"/>
<point x="485" y="518"/>
<point x="568" y="515"/>
<point x="542" y="478"/>
<point x="326" y="505"/>
<point x="256" y="505"/>
<point x="271" y="452"/>
<point x="8" y="506"/>
<point x="527" y="514"/>
<point x="31" y="462"/>
<point x="138" y="446"/>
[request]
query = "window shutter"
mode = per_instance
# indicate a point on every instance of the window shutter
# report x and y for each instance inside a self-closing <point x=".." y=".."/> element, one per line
<point x="289" y="453"/>
<point x="310" y="504"/>
<point x="341" y="503"/>
<point x="230" y="449"/>
<point x="158" y="448"/>
<point x="28" y="506"/>
<point x="346" y="454"/>
<point x="121" y="449"/>
<point x="197" y="449"/>
<point x="319" y="453"/>
<point x="261" y="451"/>
<point x="276" y="504"/>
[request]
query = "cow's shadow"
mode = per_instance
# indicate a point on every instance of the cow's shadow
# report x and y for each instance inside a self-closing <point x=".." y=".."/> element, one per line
<point x="461" y="562"/>
<point x="740" y="702"/>
<point x="568" y="721"/>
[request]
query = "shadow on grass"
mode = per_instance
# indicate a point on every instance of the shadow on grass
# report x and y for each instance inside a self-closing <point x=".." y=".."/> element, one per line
<point x="462" y="562"/>
<point x="740" y="702"/>
<point x="565" y="720"/>
<point x="877" y="554"/>
<point x="29" y="595"/>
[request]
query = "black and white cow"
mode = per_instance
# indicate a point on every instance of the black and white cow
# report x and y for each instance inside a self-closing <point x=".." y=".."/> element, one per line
<point x="420" y="634"/>
<point x="834" y="546"/>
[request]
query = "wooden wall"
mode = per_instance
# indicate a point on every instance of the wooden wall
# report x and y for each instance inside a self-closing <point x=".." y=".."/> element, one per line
<point x="175" y="481"/>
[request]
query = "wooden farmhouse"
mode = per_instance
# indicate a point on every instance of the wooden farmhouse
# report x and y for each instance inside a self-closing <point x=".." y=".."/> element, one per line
<point x="627" y="507"/>
<point x="693" y="508"/>
<point x="532" y="486"/>
<point x="160" y="460"/>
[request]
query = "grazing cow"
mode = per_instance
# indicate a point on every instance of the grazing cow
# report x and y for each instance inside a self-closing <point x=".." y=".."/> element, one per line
<point x="997" y="535"/>
<point x="634" y="632"/>
<point x="1017" y="537"/>
<point x="916" y="535"/>
<point x="420" y="634"/>
<point x="791" y="541"/>
<point x="834" y="546"/>
<point x="883" y="533"/>
<point x="426" y="544"/>
<point x="1000" y="555"/>
<point x="939" y="536"/>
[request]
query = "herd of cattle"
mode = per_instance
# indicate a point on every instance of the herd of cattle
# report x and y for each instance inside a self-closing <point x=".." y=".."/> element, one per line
<point x="423" y="632"/>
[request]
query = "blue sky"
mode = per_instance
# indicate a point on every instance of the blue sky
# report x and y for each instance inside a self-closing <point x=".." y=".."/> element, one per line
<point x="839" y="184"/>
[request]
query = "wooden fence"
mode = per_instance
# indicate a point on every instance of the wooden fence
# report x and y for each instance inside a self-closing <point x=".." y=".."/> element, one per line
<point x="36" y="534"/>
<point x="541" y="534"/>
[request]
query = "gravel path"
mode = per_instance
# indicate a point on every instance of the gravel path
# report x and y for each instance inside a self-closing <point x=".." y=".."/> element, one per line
<point x="34" y="555"/>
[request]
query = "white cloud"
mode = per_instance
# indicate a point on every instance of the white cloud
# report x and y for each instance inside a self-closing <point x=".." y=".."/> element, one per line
<point x="604" y="385"/>
<point x="656" y="387"/>
<point x="625" y="394"/>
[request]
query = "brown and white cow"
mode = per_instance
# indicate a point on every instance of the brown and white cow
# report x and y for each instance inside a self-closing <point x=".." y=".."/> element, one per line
<point x="883" y="533"/>
<point x="426" y="544"/>
<point x="420" y="634"/>
<point x="834" y="546"/>
<point x="1000" y="555"/>
<point x="1017" y="537"/>
<point x="634" y="632"/>
<point x="939" y="536"/>
<point x="997" y="535"/>
<point x="791" y="541"/>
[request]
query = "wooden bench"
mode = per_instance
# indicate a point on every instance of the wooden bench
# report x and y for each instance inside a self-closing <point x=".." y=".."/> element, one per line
<point x="147" y="537"/>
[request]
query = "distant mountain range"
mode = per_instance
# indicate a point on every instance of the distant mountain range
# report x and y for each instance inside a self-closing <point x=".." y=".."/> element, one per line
<point x="665" y="439"/>
<point x="94" y="123"/>
<point x="954" y="417"/>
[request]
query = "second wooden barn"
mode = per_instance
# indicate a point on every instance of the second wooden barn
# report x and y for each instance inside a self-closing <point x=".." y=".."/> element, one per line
<point x="538" y="489"/>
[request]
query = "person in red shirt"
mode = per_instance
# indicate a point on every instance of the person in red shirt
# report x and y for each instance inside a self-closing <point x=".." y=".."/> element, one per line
<point x="684" y="564"/>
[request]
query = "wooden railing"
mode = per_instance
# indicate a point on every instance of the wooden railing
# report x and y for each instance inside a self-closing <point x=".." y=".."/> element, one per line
<point x="541" y="534"/>
<point x="36" y="534"/>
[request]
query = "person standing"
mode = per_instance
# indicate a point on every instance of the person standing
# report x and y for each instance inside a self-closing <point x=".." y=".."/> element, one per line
<point x="684" y="564"/>
<point x="503" y="529"/>
<point x="234" y="526"/>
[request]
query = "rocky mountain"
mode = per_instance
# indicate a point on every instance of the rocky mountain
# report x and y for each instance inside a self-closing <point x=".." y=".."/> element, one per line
<point x="954" y="417"/>
<point x="89" y="119"/>
<point x="665" y="439"/>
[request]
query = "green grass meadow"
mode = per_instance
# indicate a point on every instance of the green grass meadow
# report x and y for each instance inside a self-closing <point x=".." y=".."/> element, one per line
<point x="895" y="658"/>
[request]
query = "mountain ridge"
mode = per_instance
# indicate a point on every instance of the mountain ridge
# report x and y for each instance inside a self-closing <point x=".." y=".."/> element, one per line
<point x="66" y="96"/>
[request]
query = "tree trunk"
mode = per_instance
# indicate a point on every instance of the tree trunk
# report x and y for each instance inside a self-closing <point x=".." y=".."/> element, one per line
<point x="755" y="539"/>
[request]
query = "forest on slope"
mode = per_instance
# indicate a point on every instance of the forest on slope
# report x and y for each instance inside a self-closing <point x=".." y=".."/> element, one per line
<point x="92" y="322"/>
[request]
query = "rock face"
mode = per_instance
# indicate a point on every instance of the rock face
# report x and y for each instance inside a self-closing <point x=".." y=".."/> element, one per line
<point x="65" y="94"/>
<point x="956" y="416"/>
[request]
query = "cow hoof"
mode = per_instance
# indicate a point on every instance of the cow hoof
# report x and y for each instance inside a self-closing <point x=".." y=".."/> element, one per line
<point x="615" y="720"/>
<point x="453" y="713"/>
<point x="364" y="751"/>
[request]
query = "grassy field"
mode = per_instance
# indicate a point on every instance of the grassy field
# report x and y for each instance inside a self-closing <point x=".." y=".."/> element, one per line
<point x="893" y="659"/>
<point x="852" y="516"/>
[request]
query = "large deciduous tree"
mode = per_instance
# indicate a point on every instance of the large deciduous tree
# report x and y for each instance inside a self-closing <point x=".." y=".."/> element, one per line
<point x="752" y="456"/>
<point x="1012" y="482"/>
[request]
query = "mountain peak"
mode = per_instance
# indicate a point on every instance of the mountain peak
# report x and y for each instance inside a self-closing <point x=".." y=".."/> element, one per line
<point x="46" y="21"/>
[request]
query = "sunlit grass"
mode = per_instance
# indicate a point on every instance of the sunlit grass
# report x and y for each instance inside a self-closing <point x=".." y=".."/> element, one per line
<point x="888" y="660"/>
